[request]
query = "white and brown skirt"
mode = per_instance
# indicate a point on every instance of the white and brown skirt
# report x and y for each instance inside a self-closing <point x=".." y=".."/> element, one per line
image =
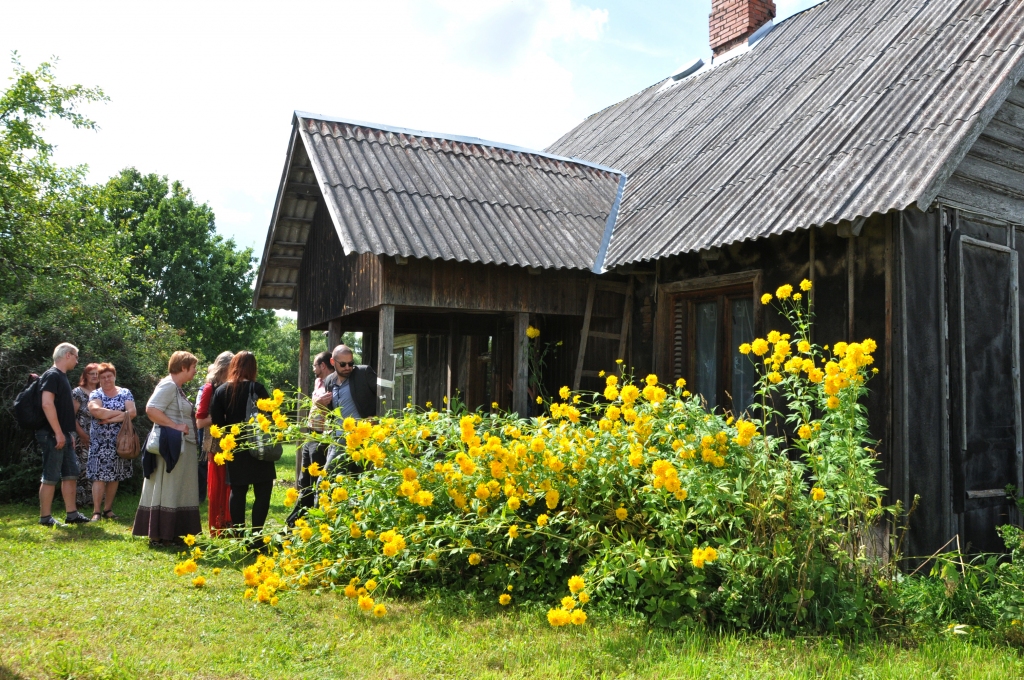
<point x="169" y="506"/>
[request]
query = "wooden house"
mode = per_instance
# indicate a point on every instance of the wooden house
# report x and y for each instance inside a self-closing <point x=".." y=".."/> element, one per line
<point x="875" y="147"/>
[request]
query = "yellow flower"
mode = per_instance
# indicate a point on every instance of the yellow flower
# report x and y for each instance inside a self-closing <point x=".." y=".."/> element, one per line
<point x="558" y="617"/>
<point x="189" y="540"/>
<point x="532" y="332"/>
<point x="314" y="469"/>
<point x="766" y="298"/>
<point x="568" y="603"/>
<point x="474" y="559"/>
<point x="540" y="399"/>
<point x="681" y="382"/>
<point x="564" y="392"/>
<point x="513" y="531"/>
<point x="621" y="514"/>
<point x="784" y="291"/>
<point x="216" y="432"/>
<point x="578" y="617"/>
<point x="833" y="402"/>
<point x="513" y="503"/>
<point x="235" y="430"/>
<point x="199" y="582"/>
<point x="494" y="405"/>
<point x="365" y="603"/>
<point x="216" y="571"/>
<point x="805" y="285"/>
<point x="804" y="432"/>
<point x="542" y="520"/>
<point x="583" y="597"/>
<point x="576" y="584"/>
<point x="817" y="493"/>
<point x="504" y="599"/>
<point x="370" y="585"/>
<point x="651" y="380"/>
<point x="759" y="347"/>
<point x="803" y="346"/>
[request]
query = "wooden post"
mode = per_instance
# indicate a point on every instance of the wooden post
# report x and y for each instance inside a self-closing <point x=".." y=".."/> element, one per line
<point x="333" y="334"/>
<point x="521" y="366"/>
<point x="850" y="281"/>
<point x="584" y="334"/>
<point x="368" y="353"/>
<point x="450" y="367"/>
<point x="303" y="392"/>
<point x="385" y="362"/>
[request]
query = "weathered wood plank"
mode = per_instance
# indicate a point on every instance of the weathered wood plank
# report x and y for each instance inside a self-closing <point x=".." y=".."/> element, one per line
<point x="386" y="362"/>
<point x="521" y="366"/>
<point x="584" y="334"/>
<point x="963" y="193"/>
<point x="627" y="317"/>
<point x="303" y="390"/>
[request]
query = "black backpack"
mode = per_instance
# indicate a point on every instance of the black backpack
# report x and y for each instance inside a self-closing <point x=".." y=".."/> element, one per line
<point x="28" y="407"/>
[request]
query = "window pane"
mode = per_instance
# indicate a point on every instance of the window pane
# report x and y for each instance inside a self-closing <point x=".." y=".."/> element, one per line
<point x="743" y="374"/>
<point x="705" y="374"/>
<point x="408" y="356"/>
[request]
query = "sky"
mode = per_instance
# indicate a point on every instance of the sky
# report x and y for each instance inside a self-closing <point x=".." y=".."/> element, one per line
<point x="203" y="92"/>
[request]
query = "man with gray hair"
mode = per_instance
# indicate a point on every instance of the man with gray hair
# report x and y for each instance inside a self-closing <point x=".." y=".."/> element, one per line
<point x="60" y="464"/>
<point x="352" y="390"/>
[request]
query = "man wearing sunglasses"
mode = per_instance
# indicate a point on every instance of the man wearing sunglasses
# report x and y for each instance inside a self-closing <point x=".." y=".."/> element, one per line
<point x="352" y="390"/>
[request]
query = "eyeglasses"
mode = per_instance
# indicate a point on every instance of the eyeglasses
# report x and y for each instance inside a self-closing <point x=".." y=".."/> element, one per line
<point x="343" y="364"/>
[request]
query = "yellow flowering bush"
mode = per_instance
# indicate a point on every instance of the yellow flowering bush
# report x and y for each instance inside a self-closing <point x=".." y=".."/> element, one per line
<point x="639" y="496"/>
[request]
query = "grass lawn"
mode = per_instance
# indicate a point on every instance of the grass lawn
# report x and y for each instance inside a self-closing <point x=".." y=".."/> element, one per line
<point x="92" y="602"/>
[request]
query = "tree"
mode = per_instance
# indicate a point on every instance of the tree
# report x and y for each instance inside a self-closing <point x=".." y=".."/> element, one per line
<point x="181" y="269"/>
<point x="61" y="278"/>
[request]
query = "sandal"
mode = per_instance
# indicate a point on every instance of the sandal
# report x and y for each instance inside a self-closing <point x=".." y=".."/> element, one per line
<point x="109" y="514"/>
<point x="95" y="517"/>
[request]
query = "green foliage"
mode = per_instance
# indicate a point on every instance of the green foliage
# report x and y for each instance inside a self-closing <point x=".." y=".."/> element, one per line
<point x="181" y="270"/>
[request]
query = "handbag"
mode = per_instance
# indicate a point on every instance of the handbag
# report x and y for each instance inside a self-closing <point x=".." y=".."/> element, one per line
<point x="127" y="443"/>
<point x="153" y="440"/>
<point x="264" y="446"/>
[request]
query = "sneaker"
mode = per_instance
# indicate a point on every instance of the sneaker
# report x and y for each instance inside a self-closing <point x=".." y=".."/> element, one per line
<point x="49" y="521"/>
<point x="76" y="518"/>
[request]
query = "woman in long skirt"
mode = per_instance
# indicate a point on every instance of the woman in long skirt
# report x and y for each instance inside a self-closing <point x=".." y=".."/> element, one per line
<point x="169" y="506"/>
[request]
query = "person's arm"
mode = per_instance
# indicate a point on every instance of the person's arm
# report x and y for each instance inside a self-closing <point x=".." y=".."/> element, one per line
<point x="103" y="415"/>
<point x="129" y="406"/>
<point x="83" y="436"/>
<point x="161" y="419"/>
<point x="51" y="417"/>
<point x="203" y="418"/>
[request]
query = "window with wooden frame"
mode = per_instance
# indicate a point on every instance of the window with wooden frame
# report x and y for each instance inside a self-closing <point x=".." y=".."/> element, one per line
<point x="701" y="324"/>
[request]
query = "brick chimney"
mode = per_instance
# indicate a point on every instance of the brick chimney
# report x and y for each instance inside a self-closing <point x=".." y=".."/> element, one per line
<point x="733" y="21"/>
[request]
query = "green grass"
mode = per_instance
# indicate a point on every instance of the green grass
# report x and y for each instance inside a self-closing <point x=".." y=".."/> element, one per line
<point x="93" y="602"/>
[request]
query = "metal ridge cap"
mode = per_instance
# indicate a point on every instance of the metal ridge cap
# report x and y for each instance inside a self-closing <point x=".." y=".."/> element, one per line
<point x="456" y="138"/>
<point x="609" y="228"/>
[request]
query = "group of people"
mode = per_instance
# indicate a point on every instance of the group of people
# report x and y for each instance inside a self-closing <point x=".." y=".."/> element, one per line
<point x="78" y="443"/>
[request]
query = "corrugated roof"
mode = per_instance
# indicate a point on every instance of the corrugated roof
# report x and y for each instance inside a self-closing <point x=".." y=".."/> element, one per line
<point x="415" y="195"/>
<point x="850" y="108"/>
<point x="394" y="191"/>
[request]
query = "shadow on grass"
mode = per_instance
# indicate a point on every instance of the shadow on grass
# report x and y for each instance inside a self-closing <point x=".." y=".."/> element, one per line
<point x="6" y="673"/>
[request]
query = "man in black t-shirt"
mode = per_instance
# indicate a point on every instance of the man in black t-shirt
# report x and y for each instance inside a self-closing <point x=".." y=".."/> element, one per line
<point x="60" y="464"/>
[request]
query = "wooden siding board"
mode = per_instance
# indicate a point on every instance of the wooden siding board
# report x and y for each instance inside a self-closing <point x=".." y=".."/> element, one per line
<point x="332" y="284"/>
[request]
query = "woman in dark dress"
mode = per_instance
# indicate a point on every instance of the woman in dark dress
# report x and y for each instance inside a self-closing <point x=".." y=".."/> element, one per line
<point x="227" y="409"/>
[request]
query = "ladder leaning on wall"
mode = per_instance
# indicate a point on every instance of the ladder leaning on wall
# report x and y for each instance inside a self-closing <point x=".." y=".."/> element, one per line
<point x="622" y="288"/>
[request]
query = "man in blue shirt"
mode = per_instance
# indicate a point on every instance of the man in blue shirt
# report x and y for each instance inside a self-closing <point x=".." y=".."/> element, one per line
<point x="352" y="393"/>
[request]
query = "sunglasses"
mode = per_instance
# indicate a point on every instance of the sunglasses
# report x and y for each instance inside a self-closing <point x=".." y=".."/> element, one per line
<point x="343" y="364"/>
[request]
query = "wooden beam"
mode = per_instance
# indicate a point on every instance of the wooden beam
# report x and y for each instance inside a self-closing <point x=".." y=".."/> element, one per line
<point x="450" y="364"/>
<point x="385" y="362"/>
<point x="333" y="334"/>
<point x="584" y="334"/>
<point x="850" y="276"/>
<point x="303" y="391"/>
<point x="627" y="319"/>
<point x="285" y="262"/>
<point x="521" y="366"/>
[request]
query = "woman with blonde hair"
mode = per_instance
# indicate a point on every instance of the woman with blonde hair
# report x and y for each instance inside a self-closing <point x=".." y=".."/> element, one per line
<point x="169" y="506"/>
<point x="216" y="475"/>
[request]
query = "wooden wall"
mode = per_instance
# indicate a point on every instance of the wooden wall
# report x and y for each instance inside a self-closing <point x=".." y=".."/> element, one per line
<point x="483" y="287"/>
<point x="332" y="284"/>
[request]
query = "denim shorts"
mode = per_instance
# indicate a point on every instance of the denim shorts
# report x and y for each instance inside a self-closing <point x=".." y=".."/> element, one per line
<point x="58" y="464"/>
